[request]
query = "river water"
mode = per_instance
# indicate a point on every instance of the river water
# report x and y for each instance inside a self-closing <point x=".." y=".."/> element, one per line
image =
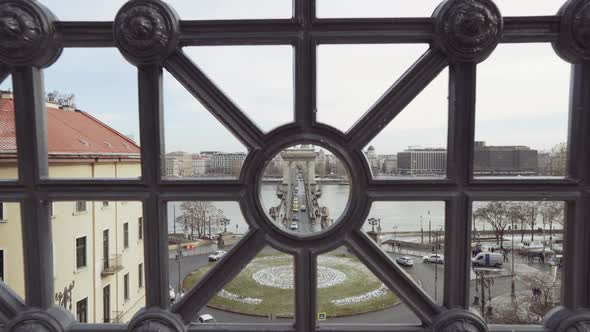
<point x="403" y="215"/>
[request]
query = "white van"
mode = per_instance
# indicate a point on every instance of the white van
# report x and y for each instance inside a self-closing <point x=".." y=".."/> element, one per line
<point x="488" y="259"/>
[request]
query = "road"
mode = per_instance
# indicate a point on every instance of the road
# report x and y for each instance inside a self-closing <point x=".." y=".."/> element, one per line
<point x="304" y="223"/>
<point x="398" y="314"/>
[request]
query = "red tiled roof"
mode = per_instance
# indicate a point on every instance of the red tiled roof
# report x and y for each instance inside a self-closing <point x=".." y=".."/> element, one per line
<point x="68" y="133"/>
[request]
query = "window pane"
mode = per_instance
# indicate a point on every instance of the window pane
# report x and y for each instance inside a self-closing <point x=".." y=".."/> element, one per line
<point x="348" y="292"/>
<point x="517" y="250"/>
<point x="522" y="113"/>
<point x="11" y="249"/>
<point x="412" y="231"/>
<point x="92" y="115"/>
<point x="81" y="252"/>
<point x="8" y="160"/>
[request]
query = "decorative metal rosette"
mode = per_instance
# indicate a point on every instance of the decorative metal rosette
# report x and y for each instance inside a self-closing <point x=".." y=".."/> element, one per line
<point x="35" y="321"/>
<point x="566" y="320"/>
<point x="155" y="320"/>
<point x="573" y="44"/>
<point x="456" y="320"/>
<point x="27" y="34"/>
<point x="146" y="31"/>
<point x="468" y="30"/>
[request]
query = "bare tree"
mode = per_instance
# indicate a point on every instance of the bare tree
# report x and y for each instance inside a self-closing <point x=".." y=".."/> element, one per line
<point x="199" y="218"/>
<point x="61" y="98"/>
<point x="497" y="215"/>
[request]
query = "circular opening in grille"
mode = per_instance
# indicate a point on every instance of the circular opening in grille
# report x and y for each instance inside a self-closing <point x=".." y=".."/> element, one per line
<point x="305" y="189"/>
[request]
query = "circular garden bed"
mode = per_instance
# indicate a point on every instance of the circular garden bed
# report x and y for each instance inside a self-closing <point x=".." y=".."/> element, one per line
<point x="265" y="287"/>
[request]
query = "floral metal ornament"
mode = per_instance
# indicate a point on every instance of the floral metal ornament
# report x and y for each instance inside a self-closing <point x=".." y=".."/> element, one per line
<point x="27" y="34"/>
<point x="468" y="30"/>
<point x="573" y="44"/>
<point x="146" y="31"/>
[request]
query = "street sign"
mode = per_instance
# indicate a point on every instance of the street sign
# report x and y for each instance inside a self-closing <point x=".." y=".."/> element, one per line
<point x="322" y="316"/>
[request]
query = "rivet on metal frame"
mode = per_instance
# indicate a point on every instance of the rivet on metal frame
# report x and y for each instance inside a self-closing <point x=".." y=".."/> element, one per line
<point x="27" y="34"/>
<point x="573" y="44"/>
<point x="146" y="31"/>
<point x="468" y="30"/>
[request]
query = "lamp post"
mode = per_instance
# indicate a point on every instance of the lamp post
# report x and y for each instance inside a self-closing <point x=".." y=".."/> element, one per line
<point x="512" y="286"/>
<point x="226" y="221"/>
<point x="421" y="231"/>
<point x="178" y="256"/>
<point x="429" y="228"/>
<point x="373" y="222"/>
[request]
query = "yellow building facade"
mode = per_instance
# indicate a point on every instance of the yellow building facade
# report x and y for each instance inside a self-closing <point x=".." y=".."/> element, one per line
<point x="98" y="261"/>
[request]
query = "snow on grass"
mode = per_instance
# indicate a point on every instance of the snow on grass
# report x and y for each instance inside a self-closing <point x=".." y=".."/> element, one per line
<point x="231" y="296"/>
<point x="282" y="277"/>
<point x="381" y="291"/>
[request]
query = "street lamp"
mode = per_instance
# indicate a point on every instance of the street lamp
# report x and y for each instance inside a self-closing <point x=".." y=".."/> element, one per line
<point x="421" y="231"/>
<point x="226" y="221"/>
<point x="373" y="222"/>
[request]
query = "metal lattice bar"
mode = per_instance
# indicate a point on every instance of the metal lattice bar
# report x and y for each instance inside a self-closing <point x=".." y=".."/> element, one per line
<point x="212" y="282"/>
<point x="305" y="290"/>
<point x="461" y="133"/>
<point x="151" y="114"/>
<point x="31" y="136"/>
<point x="393" y="277"/>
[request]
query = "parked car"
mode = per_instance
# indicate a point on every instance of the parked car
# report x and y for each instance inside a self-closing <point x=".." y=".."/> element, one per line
<point x="295" y="217"/>
<point x="433" y="258"/>
<point x="405" y="261"/>
<point x="302" y="207"/>
<point x="294" y="226"/>
<point x="215" y="256"/>
<point x="295" y="208"/>
<point x="172" y="293"/>
<point x="206" y="318"/>
<point x="488" y="259"/>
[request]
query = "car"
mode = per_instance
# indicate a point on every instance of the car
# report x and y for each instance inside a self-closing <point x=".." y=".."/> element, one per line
<point x="296" y="217"/>
<point x="488" y="259"/>
<point x="294" y="226"/>
<point x="172" y="293"/>
<point x="206" y="318"/>
<point x="215" y="256"/>
<point x="302" y="207"/>
<point x="295" y="208"/>
<point x="433" y="258"/>
<point x="405" y="261"/>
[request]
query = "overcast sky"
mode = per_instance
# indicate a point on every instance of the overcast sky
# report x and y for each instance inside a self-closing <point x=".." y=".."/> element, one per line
<point x="521" y="96"/>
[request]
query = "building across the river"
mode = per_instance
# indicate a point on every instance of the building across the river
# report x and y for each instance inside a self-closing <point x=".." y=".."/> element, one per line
<point x="504" y="160"/>
<point x="98" y="246"/>
<point x="422" y="161"/>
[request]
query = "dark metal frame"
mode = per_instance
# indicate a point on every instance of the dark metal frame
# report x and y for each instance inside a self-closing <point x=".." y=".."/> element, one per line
<point x="150" y="35"/>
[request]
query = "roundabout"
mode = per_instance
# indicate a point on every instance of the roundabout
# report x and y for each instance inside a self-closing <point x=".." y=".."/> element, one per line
<point x="266" y="287"/>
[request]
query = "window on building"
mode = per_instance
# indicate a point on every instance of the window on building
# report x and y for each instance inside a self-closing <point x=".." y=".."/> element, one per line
<point x="81" y="252"/>
<point x="80" y="206"/>
<point x="105" y="204"/>
<point x="82" y="310"/>
<point x="140" y="228"/>
<point x="1" y="264"/>
<point x="50" y="205"/>
<point x="140" y="275"/>
<point x="126" y="287"/>
<point x="126" y="235"/>
<point x="2" y="212"/>
<point x="105" y="248"/>
<point x="106" y="304"/>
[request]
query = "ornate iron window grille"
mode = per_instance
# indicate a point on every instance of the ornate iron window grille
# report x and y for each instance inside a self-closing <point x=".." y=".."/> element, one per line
<point x="150" y="35"/>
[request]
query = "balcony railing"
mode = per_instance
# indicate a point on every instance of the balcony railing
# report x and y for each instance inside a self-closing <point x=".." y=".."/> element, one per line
<point x="112" y="265"/>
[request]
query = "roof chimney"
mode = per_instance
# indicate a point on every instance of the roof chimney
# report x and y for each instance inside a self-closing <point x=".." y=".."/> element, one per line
<point x="6" y="94"/>
<point x="67" y="108"/>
